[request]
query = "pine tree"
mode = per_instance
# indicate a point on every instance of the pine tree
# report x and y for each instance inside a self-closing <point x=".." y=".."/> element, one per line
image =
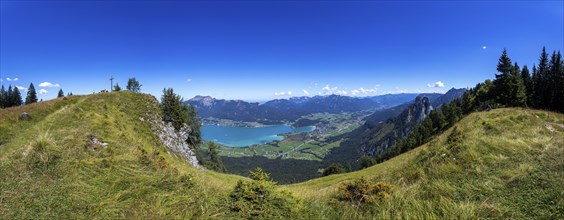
<point x="9" y="97"/>
<point x="171" y="105"/>
<point x="528" y="82"/>
<point x="215" y="162"/>
<point x="31" y="95"/>
<point x="508" y="86"/>
<point x="117" y="88"/>
<point x="518" y="91"/>
<point x="61" y="93"/>
<point x="541" y="87"/>
<point x="3" y="95"/>
<point x="178" y="113"/>
<point x="501" y="82"/>
<point x="554" y="81"/>
<point x="16" y="97"/>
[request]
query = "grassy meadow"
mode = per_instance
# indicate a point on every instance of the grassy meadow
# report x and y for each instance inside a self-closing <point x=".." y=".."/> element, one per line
<point x="505" y="163"/>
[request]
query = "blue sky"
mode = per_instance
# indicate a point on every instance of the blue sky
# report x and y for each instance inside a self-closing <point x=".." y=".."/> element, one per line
<point x="257" y="50"/>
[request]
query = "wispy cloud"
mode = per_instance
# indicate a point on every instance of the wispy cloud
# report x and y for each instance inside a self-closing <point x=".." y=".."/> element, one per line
<point x="306" y="93"/>
<point x="12" y="79"/>
<point x="43" y="92"/>
<point x="328" y="90"/>
<point x="48" y="84"/>
<point x="289" y="93"/>
<point x="364" y="92"/>
<point x="189" y="80"/>
<point x="21" y="88"/>
<point x="438" y="84"/>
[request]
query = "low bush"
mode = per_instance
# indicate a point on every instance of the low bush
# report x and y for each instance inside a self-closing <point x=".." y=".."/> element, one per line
<point x="361" y="192"/>
<point x="259" y="198"/>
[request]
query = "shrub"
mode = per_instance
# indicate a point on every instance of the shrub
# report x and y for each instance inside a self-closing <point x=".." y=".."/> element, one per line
<point x="367" y="161"/>
<point x="334" y="168"/>
<point x="259" y="175"/>
<point x="260" y="199"/>
<point x="361" y="191"/>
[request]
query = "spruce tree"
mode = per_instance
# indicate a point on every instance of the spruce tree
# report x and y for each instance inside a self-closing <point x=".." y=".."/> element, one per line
<point x="3" y="97"/>
<point x="541" y="87"/>
<point x="117" y="88"/>
<point x="554" y="80"/>
<point x="528" y="82"/>
<point x="508" y="85"/>
<point x="61" y="93"/>
<point x="518" y="91"/>
<point x="16" y="97"/>
<point x="31" y="95"/>
<point x="501" y="82"/>
<point x="178" y="113"/>
<point x="9" y="97"/>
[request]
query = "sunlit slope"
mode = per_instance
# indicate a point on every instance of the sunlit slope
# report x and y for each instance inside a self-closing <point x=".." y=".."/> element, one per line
<point x="501" y="163"/>
<point x="51" y="168"/>
<point x="505" y="163"/>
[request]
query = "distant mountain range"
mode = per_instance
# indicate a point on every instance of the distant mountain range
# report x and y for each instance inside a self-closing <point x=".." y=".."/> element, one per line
<point x="288" y="110"/>
<point x="384" y="127"/>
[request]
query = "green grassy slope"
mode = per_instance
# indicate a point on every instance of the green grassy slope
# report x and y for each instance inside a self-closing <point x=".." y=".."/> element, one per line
<point x="49" y="169"/>
<point x="504" y="163"/>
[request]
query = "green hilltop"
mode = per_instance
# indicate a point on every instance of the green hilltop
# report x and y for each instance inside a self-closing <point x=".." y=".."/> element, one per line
<point x="95" y="157"/>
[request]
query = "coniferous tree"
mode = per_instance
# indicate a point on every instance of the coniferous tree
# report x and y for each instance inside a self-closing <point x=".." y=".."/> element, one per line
<point x="178" y="113"/>
<point x="501" y="82"/>
<point x="3" y="95"/>
<point x="9" y="97"/>
<point x="528" y="82"/>
<point x="518" y="91"/>
<point x="541" y="88"/>
<point x="61" y="93"/>
<point x="508" y="86"/>
<point x="31" y="95"/>
<point x="554" y="81"/>
<point x="16" y="97"/>
<point x="535" y="83"/>
<point x="215" y="162"/>
<point x="117" y="88"/>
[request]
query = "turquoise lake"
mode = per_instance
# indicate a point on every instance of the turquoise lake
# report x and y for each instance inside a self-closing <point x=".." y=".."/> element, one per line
<point x="232" y="136"/>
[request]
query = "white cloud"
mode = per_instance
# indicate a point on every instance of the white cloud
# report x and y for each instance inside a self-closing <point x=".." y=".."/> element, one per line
<point x="9" y="79"/>
<point x="21" y="88"/>
<point x="438" y="84"/>
<point x="306" y="93"/>
<point x="484" y="47"/>
<point x="364" y="92"/>
<point x="16" y="79"/>
<point x="48" y="84"/>
<point x="189" y="80"/>
<point x="328" y="90"/>
<point x="43" y="92"/>
<point x="289" y="93"/>
<point x="341" y="92"/>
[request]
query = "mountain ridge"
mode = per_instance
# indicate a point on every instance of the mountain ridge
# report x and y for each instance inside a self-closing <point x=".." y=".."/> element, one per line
<point x="278" y="111"/>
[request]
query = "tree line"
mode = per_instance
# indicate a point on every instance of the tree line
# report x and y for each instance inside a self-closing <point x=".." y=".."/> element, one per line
<point x="13" y="97"/>
<point x="512" y="87"/>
